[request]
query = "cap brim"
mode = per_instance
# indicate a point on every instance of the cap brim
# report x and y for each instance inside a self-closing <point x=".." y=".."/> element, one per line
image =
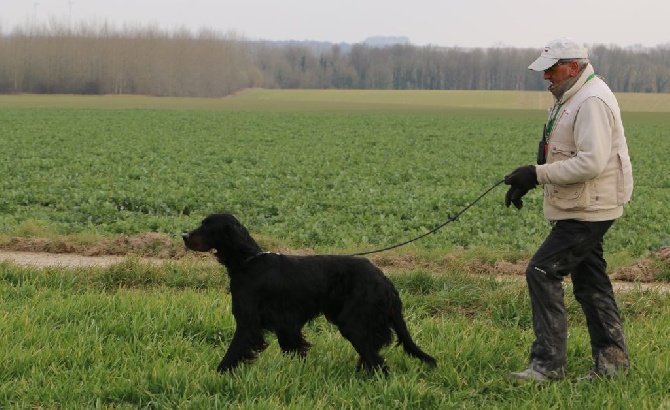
<point x="542" y="63"/>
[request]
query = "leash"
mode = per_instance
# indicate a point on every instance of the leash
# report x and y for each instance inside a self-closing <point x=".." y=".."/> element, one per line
<point x="437" y="228"/>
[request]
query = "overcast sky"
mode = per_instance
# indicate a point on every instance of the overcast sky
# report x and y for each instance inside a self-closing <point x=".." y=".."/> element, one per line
<point x="462" y="23"/>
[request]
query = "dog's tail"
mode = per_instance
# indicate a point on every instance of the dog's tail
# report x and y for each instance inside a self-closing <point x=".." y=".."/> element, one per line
<point x="404" y="339"/>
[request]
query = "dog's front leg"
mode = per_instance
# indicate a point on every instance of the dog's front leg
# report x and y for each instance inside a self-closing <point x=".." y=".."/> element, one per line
<point x="243" y="348"/>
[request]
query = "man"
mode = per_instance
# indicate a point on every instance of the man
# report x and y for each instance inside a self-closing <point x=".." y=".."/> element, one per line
<point x="584" y="166"/>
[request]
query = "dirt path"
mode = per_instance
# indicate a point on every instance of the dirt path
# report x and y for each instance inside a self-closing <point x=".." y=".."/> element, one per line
<point x="68" y="260"/>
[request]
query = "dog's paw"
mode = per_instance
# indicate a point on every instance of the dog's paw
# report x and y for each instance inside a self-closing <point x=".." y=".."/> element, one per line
<point x="226" y="366"/>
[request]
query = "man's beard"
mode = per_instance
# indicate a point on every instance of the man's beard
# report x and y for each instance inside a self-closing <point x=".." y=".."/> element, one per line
<point x="559" y="89"/>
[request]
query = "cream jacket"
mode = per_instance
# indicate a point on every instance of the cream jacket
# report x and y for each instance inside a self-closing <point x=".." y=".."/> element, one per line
<point x="588" y="175"/>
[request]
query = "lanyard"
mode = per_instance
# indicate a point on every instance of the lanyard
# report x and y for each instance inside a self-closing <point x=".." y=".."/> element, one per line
<point x="552" y="119"/>
<point x="557" y="108"/>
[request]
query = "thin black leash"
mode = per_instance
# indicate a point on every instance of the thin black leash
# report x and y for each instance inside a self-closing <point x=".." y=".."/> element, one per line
<point x="437" y="228"/>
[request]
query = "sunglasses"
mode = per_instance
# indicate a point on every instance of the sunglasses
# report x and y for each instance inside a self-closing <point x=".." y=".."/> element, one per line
<point x="558" y="63"/>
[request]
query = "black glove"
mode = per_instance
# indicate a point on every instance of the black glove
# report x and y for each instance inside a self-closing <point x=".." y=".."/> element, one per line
<point x="514" y="195"/>
<point x="522" y="180"/>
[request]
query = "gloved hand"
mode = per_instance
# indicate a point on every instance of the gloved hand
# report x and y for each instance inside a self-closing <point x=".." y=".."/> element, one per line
<point x="514" y="195"/>
<point x="522" y="180"/>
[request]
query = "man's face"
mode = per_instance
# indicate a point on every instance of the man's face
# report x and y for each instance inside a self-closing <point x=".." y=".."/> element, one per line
<point x="560" y="71"/>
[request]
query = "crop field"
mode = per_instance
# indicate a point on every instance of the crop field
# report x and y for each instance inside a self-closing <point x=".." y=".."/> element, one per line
<point x="314" y="171"/>
<point x="324" y="180"/>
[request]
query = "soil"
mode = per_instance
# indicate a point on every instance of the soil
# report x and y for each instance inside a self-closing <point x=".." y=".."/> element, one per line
<point x="68" y="260"/>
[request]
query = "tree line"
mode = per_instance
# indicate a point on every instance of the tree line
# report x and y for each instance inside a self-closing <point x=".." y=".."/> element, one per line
<point x="53" y="59"/>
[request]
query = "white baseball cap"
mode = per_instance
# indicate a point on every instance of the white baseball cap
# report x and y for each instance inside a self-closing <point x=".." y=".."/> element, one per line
<point x="560" y="49"/>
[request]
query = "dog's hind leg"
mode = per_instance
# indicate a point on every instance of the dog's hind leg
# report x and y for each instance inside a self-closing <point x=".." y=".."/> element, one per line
<point x="369" y="358"/>
<point x="293" y="342"/>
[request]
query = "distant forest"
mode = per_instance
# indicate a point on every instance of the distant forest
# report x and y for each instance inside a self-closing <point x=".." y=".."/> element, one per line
<point x="149" y="61"/>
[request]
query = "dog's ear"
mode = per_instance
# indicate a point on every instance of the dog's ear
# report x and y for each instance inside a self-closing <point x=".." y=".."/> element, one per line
<point x="227" y="231"/>
<point x="242" y="241"/>
<point x="238" y="230"/>
<point x="224" y="234"/>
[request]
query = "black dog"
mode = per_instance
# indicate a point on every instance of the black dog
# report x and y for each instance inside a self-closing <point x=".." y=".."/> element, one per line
<point x="280" y="293"/>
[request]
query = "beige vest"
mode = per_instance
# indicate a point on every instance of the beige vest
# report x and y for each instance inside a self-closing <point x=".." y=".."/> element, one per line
<point x="588" y="175"/>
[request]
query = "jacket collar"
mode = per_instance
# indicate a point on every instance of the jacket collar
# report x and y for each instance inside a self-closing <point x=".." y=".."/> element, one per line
<point x="583" y="78"/>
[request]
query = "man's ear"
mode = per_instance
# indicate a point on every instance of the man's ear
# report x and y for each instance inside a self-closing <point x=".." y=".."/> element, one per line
<point x="574" y="68"/>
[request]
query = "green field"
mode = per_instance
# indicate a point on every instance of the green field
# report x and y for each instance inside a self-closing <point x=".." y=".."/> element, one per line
<point x="323" y="171"/>
<point x="373" y="175"/>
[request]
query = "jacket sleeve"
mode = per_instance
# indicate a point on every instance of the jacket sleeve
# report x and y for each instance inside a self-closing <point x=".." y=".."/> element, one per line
<point x="593" y="139"/>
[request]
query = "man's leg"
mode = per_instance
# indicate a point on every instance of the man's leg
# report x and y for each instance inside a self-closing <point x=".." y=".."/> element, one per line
<point x="567" y="245"/>
<point x="593" y="290"/>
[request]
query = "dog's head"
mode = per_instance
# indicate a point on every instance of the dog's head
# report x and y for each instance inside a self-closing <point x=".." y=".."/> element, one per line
<point x="225" y="234"/>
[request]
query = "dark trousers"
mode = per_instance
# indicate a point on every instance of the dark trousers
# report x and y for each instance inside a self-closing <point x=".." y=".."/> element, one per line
<point x="574" y="248"/>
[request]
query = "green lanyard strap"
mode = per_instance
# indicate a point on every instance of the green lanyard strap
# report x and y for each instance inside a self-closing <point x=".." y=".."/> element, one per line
<point x="554" y="114"/>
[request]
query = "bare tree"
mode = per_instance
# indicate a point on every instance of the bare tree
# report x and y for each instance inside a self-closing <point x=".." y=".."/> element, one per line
<point x="102" y="59"/>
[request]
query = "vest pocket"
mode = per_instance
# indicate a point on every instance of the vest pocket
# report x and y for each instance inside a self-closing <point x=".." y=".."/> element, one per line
<point x="560" y="152"/>
<point x="568" y="197"/>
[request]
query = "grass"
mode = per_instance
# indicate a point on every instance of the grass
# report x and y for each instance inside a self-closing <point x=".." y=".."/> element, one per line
<point x="135" y="335"/>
